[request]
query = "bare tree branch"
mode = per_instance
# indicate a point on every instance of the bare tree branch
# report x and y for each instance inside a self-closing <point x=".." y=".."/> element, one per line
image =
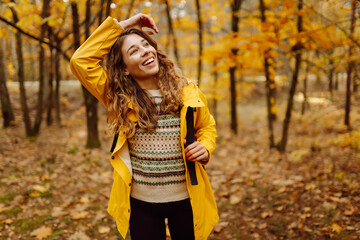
<point x="34" y="37"/>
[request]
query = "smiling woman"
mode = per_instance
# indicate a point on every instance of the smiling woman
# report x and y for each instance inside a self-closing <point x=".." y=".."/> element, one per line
<point x="147" y="101"/>
<point x="141" y="61"/>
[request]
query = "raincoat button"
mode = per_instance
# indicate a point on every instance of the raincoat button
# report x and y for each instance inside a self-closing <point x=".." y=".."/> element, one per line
<point x="198" y="100"/>
<point x="128" y="210"/>
<point x="129" y="184"/>
<point x="112" y="157"/>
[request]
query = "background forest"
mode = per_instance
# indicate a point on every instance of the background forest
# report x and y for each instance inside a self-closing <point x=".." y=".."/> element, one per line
<point x="282" y="80"/>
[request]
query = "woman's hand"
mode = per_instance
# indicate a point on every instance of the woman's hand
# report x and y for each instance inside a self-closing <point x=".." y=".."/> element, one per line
<point x="196" y="152"/>
<point x="139" y="21"/>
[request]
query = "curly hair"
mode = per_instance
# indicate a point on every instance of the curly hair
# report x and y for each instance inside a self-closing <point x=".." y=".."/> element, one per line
<point x="124" y="91"/>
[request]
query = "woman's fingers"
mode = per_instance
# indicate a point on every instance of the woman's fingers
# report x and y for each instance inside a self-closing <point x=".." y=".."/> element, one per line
<point x="149" y="22"/>
<point x="196" y="152"/>
<point x="139" y="21"/>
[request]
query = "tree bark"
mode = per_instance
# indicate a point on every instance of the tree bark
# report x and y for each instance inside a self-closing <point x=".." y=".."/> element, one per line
<point x="108" y="8"/>
<point x="130" y="9"/>
<point x="331" y="77"/>
<point x="21" y="78"/>
<point x="93" y="140"/>
<point x="101" y="8"/>
<point x="6" y="108"/>
<point x="215" y="74"/>
<point x="297" y="50"/>
<point x="49" y="118"/>
<point x="57" y="81"/>
<point x="90" y="101"/>
<point x="172" y="33"/>
<point x="269" y="84"/>
<point x="350" y="68"/>
<point x="235" y="8"/>
<point x="200" y="34"/>
<point x="336" y="87"/>
<point x="40" y="103"/>
<point x="305" y="103"/>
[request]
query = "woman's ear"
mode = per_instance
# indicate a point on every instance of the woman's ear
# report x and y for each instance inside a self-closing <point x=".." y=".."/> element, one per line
<point x="126" y="73"/>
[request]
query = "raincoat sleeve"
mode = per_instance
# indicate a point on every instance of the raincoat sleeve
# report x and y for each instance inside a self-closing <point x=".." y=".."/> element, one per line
<point x="85" y="64"/>
<point x="205" y="127"/>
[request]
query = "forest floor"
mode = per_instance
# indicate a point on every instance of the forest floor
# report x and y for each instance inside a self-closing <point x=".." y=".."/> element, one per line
<point x="52" y="187"/>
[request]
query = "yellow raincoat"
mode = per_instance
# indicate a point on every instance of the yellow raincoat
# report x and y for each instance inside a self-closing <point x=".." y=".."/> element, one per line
<point x="85" y="65"/>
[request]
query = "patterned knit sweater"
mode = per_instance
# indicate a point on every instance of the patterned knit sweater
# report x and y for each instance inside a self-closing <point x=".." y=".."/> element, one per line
<point x="157" y="160"/>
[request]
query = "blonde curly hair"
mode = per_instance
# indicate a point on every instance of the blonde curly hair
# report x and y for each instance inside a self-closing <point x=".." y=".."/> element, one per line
<point x="123" y="89"/>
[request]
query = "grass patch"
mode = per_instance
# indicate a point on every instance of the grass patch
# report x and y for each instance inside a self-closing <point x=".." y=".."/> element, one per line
<point x="6" y="198"/>
<point x="46" y="194"/>
<point x="12" y="211"/>
<point x="31" y="223"/>
<point x="56" y="234"/>
<point x="31" y="139"/>
<point x="73" y="150"/>
<point x="95" y="207"/>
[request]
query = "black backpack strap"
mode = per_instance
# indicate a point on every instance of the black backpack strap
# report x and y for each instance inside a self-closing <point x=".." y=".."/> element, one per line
<point x="114" y="142"/>
<point x="190" y="138"/>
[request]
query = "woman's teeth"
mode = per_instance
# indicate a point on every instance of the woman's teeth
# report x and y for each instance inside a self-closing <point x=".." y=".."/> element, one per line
<point x="149" y="61"/>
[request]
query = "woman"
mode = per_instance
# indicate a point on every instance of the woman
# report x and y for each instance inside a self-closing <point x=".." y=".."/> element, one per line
<point x="147" y="101"/>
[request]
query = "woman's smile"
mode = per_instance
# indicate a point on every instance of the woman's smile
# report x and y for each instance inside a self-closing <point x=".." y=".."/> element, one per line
<point x="140" y="59"/>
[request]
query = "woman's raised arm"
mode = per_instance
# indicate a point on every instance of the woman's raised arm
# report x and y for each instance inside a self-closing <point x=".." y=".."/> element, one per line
<point x="85" y="63"/>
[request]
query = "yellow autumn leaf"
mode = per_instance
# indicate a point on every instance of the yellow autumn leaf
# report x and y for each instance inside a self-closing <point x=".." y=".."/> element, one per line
<point x="336" y="228"/>
<point x="54" y="22"/>
<point x="42" y="232"/>
<point x="35" y="194"/>
<point x="104" y="229"/>
<point x="79" y="215"/>
<point x="274" y="109"/>
<point x="40" y="188"/>
<point x="310" y="186"/>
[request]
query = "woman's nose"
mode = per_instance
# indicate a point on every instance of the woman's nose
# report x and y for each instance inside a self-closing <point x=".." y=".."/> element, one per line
<point x="144" y="51"/>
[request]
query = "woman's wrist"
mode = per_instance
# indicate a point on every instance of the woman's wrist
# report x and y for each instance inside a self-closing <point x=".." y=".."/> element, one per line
<point x="123" y="24"/>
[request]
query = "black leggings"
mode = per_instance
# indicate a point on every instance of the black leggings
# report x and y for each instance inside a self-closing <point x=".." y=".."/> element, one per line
<point x="147" y="220"/>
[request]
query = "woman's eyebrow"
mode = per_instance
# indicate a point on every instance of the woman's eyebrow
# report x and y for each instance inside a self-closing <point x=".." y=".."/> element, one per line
<point x="143" y="40"/>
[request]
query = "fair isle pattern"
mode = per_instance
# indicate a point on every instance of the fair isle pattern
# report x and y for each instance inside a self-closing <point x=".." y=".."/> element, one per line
<point x="157" y="160"/>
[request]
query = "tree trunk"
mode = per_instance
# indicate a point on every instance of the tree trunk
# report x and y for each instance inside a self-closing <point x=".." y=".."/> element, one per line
<point x="331" y="77"/>
<point x="233" y="100"/>
<point x="336" y="87"/>
<point x="297" y="49"/>
<point x="215" y="74"/>
<point x="108" y="8"/>
<point x="350" y="68"/>
<point x="57" y="81"/>
<point x="235" y="9"/>
<point x="6" y="108"/>
<point x="269" y="84"/>
<point x="49" y="118"/>
<point x="172" y="33"/>
<point x="305" y="103"/>
<point x="101" y="9"/>
<point x="21" y="78"/>
<point x="40" y="103"/>
<point x="200" y="34"/>
<point x="130" y="9"/>
<point x="90" y="101"/>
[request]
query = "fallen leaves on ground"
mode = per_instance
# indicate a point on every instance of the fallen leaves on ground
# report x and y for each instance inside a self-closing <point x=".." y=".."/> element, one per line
<point x="54" y="188"/>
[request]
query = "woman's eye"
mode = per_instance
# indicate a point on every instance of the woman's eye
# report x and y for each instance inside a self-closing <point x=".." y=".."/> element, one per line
<point x="146" y="44"/>
<point x="133" y="51"/>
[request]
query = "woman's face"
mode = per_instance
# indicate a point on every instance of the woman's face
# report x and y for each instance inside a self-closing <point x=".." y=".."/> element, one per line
<point x="140" y="58"/>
